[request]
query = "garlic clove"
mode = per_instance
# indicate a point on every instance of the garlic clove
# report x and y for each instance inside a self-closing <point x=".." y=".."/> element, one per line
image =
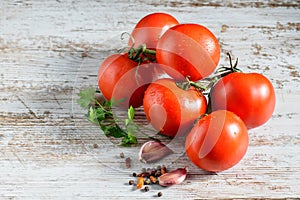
<point x="174" y="177"/>
<point x="152" y="151"/>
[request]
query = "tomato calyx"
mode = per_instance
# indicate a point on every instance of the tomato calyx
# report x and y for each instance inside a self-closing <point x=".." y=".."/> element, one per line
<point x="220" y="73"/>
<point x="223" y="71"/>
<point x="185" y="85"/>
<point x="207" y="83"/>
<point x="141" y="53"/>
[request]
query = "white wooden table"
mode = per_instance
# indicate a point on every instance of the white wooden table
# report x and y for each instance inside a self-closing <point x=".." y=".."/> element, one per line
<point x="47" y="148"/>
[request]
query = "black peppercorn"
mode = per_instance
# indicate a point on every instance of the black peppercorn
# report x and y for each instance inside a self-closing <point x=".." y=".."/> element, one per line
<point x="146" y="189"/>
<point x="159" y="194"/>
<point x="131" y="182"/>
<point x="147" y="181"/>
<point x="152" y="172"/>
<point x="157" y="173"/>
<point x="144" y="174"/>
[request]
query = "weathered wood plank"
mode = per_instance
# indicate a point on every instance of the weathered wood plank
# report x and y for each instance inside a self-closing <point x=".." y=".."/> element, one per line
<point x="47" y="147"/>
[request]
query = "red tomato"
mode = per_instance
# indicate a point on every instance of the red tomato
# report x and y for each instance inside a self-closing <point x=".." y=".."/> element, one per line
<point x="172" y="110"/>
<point x="191" y="49"/>
<point x="150" y="28"/>
<point x="120" y="78"/>
<point x="249" y="95"/>
<point x="217" y="142"/>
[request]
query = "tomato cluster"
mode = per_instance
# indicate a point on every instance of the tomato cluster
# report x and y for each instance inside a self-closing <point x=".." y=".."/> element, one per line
<point x="163" y="71"/>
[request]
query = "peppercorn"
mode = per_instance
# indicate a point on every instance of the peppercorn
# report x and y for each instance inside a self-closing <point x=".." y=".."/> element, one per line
<point x="144" y="174"/>
<point x="157" y="173"/>
<point x="159" y="194"/>
<point x="131" y="182"/>
<point x="134" y="174"/>
<point x="152" y="172"/>
<point x="146" y="189"/>
<point x="163" y="169"/>
<point x="153" y="179"/>
<point x="147" y="181"/>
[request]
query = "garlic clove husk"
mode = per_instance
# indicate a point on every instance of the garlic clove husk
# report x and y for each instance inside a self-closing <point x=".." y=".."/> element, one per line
<point x="174" y="177"/>
<point x="152" y="151"/>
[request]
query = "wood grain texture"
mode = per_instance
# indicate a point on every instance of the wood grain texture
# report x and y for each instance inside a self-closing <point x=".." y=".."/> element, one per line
<point x="47" y="148"/>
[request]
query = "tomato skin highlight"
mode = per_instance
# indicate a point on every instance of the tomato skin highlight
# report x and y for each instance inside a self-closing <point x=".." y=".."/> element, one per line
<point x="191" y="49"/>
<point x="172" y="110"/>
<point x="120" y="78"/>
<point x="249" y="95"/>
<point x="217" y="142"/>
<point x="149" y="29"/>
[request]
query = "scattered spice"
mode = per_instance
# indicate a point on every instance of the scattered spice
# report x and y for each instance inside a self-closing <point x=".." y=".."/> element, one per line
<point x="128" y="162"/>
<point x="163" y="169"/>
<point x="153" y="179"/>
<point x="95" y="146"/>
<point x="153" y="171"/>
<point x="147" y="181"/>
<point x="146" y="189"/>
<point x="158" y="175"/>
<point x="159" y="194"/>
<point x="140" y="182"/>
<point x="131" y="182"/>
<point x="144" y="174"/>
<point x="122" y="155"/>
